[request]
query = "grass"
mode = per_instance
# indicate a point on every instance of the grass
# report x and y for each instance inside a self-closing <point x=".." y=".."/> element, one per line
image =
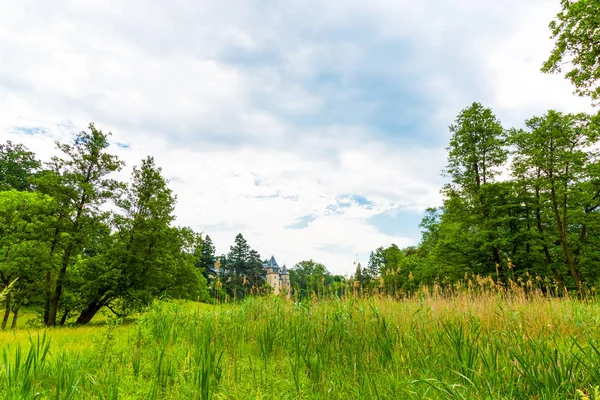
<point x="472" y="345"/>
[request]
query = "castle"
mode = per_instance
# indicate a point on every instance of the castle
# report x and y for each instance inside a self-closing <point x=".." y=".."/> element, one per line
<point x="278" y="278"/>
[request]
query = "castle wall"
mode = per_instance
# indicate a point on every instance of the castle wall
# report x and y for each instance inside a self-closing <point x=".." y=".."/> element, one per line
<point x="273" y="281"/>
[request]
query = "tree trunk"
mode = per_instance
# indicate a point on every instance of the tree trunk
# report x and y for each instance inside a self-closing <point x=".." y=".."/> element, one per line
<point x="486" y="216"/>
<point x="562" y="230"/>
<point x="496" y="254"/>
<point x="582" y="234"/>
<point x="47" y="297"/>
<point x="48" y="288"/>
<point x="64" y="317"/>
<point x="65" y="261"/>
<point x="7" y="310"/>
<point x="549" y="260"/>
<point x="89" y="312"/>
<point x="16" y="314"/>
<point x="59" y="286"/>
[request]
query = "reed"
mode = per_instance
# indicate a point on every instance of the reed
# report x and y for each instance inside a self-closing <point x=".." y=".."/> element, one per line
<point x="480" y="340"/>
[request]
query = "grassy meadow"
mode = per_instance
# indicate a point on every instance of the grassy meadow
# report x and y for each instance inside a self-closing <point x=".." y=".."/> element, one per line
<point x="471" y="344"/>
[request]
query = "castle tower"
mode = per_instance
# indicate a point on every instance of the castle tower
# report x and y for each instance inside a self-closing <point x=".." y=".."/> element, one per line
<point x="285" y="280"/>
<point x="272" y="270"/>
<point x="278" y="278"/>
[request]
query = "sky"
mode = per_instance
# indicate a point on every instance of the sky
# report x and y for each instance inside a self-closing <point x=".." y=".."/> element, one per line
<point x="317" y="129"/>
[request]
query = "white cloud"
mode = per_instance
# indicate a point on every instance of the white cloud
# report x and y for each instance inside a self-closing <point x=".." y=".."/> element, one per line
<point x="228" y="94"/>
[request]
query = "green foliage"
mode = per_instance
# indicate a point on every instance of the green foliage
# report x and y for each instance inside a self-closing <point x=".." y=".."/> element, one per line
<point x="476" y="150"/>
<point x="72" y="256"/>
<point x="17" y="166"/>
<point x="146" y="257"/>
<point x="207" y="260"/>
<point x="25" y="226"/>
<point x="541" y="218"/>
<point x="556" y="159"/>
<point x="576" y="30"/>
<point x="242" y="270"/>
<point x="309" y="278"/>
<point x="80" y="185"/>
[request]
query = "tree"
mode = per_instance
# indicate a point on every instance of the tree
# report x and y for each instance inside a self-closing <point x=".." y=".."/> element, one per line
<point x="308" y="277"/>
<point x="359" y="278"/>
<point x="178" y="276"/>
<point x="17" y="166"/>
<point x="256" y="271"/>
<point x="80" y="185"/>
<point x="238" y="255"/>
<point x="576" y="30"/>
<point x="555" y="157"/>
<point x="476" y="154"/>
<point x="374" y="265"/>
<point x="243" y="268"/>
<point x="476" y="149"/>
<point x="135" y="263"/>
<point x="207" y="258"/>
<point x="25" y="222"/>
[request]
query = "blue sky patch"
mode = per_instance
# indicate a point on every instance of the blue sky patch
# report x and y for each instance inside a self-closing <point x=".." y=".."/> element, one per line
<point x="302" y="222"/>
<point x="346" y="201"/>
<point x="399" y="222"/>
<point x="31" y="130"/>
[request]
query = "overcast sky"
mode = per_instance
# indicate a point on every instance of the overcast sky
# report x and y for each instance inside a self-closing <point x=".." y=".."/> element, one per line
<point x="315" y="128"/>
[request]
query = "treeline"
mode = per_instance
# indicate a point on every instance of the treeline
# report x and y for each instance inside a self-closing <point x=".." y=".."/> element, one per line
<point x="522" y="204"/>
<point x="310" y="278"/>
<point x="73" y="240"/>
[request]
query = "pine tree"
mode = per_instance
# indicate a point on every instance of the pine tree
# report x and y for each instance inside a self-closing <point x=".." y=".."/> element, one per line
<point x="207" y="257"/>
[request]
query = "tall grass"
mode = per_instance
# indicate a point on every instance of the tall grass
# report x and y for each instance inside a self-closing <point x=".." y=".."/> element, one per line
<point x="478" y="343"/>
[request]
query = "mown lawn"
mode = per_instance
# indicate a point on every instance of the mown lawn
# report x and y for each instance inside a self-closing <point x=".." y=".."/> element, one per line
<point x="469" y="346"/>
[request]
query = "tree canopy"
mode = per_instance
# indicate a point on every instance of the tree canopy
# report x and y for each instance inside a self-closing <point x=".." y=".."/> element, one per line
<point x="576" y="30"/>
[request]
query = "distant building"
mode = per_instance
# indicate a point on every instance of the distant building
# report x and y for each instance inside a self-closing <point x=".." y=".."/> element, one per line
<point x="277" y="277"/>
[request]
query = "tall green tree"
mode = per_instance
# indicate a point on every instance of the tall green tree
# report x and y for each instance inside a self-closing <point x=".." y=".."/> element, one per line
<point x="207" y="258"/>
<point x="359" y="276"/>
<point x="243" y="268"/>
<point x="80" y="184"/>
<point x="238" y="255"/>
<point x="555" y="156"/>
<point x="142" y="247"/>
<point x="25" y="229"/>
<point x="576" y="30"/>
<point x="256" y="272"/>
<point x="476" y="154"/>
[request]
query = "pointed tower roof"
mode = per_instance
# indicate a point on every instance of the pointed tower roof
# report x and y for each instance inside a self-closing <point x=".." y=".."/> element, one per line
<point x="284" y="270"/>
<point x="272" y="264"/>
